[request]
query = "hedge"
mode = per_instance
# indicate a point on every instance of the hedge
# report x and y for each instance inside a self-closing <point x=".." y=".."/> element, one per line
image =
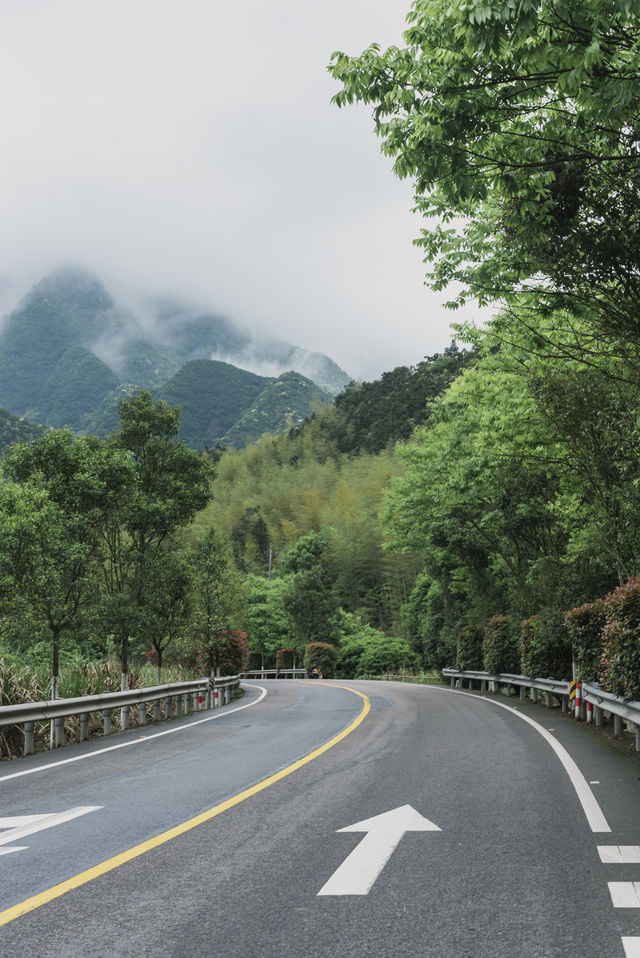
<point x="500" y="651"/>
<point x="469" y="648"/>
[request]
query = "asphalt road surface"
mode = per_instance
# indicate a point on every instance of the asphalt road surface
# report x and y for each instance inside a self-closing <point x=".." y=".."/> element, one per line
<point x="477" y="833"/>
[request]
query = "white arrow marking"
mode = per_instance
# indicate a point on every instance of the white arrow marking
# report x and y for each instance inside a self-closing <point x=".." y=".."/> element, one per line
<point x="360" y="869"/>
<point x="23" y="825"/>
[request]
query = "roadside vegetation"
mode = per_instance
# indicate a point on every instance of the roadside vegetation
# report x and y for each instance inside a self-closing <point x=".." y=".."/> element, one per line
<point x="481" y="507"/>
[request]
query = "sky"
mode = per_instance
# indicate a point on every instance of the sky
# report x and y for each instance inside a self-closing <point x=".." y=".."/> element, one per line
<point x="189" y="148"/>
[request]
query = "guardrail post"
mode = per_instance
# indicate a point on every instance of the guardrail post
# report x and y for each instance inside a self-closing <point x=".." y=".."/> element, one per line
<point x="124" y="717"/>
<point x="142" y="713"/>
<point x="534" y="695"/>
<point x="227" y="695"/>
<point x="617" y="725"/>
<point x="453" y="681"/>
<point x="106" y="721"/>
<point x="167" y="707"/>
<point x="637" y="738"/>
<point x="178" y="705"/>
<point x="483" y="685"/>
<point x="564" y="704"/>
<point x="185" y="703"/>
<point x="523" y="693"/>
<point x="58" y="732"/>
<point x="28" y="737"/>
<point x="599" y="716"/>
<point x="157" y="711"/>
<point x="549" y="699"/>
<point x="84" y="726"/>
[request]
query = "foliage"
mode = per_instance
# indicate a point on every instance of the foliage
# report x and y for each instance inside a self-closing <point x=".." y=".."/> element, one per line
<point x="321" y="657"/>
<point x="14" y="429"/>
<point x="369" y="416"/>
<point x="500" y="646"/>
<point x="469" y="648"/>
<point x="266" y="621"/>
<point x="519" y="125"/>
<point x="621" y="640"/>
<point x="216" y="602"/>
<point x="585" y="625"/>
<point x="308" y="595"/>
<point x="545" y="647"/>
<point x="387" y="654"/>
<point x="285" y="659"/>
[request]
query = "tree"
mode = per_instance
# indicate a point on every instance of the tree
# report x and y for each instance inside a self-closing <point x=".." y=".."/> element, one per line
<point x="266" y="621"/>
<point x="165" y="604"/>
<point x="171" y="484"/>
<point x="519" y="124"/>
<point x="309" y="599"/>
<point x="217" y="600"/>
<point x="85" y="482"/>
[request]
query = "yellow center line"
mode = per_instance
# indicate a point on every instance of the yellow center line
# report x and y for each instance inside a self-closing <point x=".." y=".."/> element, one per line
<point x="30" y="904"/>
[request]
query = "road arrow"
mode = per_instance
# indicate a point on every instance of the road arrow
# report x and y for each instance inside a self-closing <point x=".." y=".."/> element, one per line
<point x="17" y="827"/>
<point x="360" y="869"/>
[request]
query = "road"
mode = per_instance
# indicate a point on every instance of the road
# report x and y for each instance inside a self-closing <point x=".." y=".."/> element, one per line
<point x="497" y="854"/>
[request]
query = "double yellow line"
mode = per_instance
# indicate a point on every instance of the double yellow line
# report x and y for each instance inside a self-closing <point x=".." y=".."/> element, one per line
<point x="30" y="904"/>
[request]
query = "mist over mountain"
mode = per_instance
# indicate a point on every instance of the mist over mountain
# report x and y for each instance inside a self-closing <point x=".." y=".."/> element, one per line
<point x="70" y="350"/>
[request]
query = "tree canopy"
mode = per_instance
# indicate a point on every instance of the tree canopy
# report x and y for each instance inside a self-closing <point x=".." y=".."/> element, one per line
<point x="519" y="123"/>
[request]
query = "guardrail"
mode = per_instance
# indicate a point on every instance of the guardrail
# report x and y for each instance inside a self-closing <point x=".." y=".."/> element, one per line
<point x="601" y="702"/>
<point x="275" y="674"/>
<point x="186" y="696"/>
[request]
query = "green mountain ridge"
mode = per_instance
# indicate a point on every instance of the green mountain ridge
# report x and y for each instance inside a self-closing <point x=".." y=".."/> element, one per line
<point x="69" y="351"/>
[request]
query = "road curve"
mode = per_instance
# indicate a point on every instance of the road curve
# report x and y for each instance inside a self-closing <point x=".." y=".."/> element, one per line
<point x="514" y="867"/>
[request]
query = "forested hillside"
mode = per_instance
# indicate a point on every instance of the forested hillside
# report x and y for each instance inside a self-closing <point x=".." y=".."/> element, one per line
<point x="521" y="123"/>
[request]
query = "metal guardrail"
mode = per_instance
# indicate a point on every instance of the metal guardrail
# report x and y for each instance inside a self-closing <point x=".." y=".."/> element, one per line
<point x="188" y="697"/>
<point x="592" y="694"/>
<point x="275" y="673"/>
<point x="606" y="702"/>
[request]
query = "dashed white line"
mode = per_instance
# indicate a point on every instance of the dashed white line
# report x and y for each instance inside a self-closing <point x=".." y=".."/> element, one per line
<point x="619" y="854"/>
<point x="625" y="894"/>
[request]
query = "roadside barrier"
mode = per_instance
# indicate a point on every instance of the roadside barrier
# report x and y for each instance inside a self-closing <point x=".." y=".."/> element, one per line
<point x="275" y="674"/>
<point x="186" y="697"/>
<point x="591" y="702"/>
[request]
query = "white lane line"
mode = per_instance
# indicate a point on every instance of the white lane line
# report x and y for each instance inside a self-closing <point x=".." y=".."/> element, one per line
<point x="625" y="894"/>
<point x="136" y="741"/>
<point x="619" y="854"/>
<point x="595" y="818"/>
<point x="631" y="947"/>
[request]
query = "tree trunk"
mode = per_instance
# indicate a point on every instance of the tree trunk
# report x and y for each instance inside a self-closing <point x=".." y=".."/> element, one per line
<point x="55" y="681"/>
<point x="159" y="654"/>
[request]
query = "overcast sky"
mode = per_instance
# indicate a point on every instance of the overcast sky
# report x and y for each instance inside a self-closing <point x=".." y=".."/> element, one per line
<point x="190" y="147"/>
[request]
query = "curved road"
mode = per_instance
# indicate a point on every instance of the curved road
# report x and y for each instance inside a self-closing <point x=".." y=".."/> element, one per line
<point x="210" y="836"/>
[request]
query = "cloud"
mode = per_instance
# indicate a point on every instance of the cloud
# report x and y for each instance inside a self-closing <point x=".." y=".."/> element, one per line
<point x="189" y="148"/>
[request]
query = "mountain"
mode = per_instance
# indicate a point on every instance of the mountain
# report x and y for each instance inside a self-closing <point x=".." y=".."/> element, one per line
<point x="70" y="351"/>
<point x="213" y="396"/>
<point x="284" y="402"/>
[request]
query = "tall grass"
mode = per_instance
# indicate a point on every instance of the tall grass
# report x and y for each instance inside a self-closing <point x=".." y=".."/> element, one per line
<point x="21" y="683"/>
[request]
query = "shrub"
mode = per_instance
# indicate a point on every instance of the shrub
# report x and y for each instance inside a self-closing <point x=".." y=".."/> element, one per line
<point x="323" y="657"/>
<point x="621" y="641"/>
<point x="469" y="648"/>
<point x="585" y="624"/>
<point x="285" y="658"/>
<point x="545" y="648"/>
<point x="387" y="654"/>
<point x="500" y="651"/>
